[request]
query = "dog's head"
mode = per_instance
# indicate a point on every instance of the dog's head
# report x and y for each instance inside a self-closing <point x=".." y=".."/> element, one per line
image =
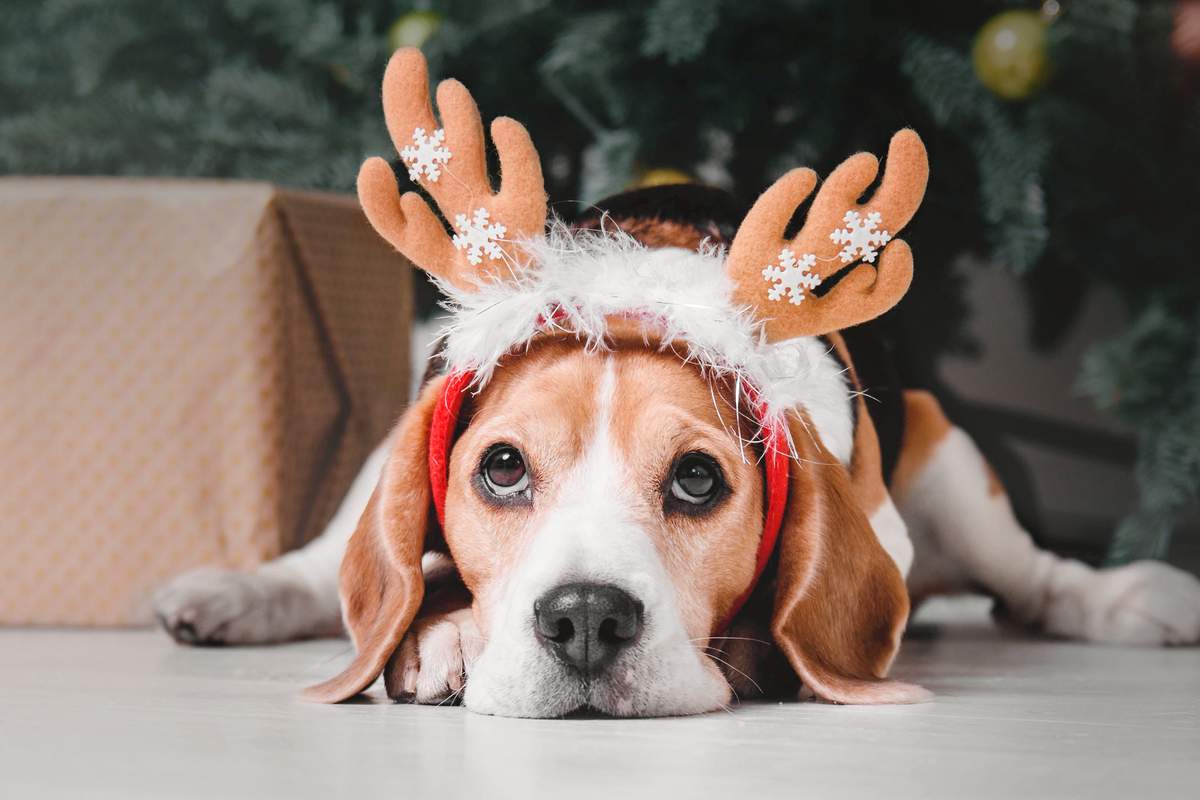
<point x="606" y="489"/>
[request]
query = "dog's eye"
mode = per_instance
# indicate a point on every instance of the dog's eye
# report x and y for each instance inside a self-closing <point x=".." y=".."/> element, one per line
<point x="504" y="472"/>
<point x="697" y="479"/>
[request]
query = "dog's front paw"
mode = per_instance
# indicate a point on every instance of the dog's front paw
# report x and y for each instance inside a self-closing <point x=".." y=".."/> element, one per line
<point x="434" y="658"/>
<point x="215" y="606"/>
<point x="1146" y="603"/>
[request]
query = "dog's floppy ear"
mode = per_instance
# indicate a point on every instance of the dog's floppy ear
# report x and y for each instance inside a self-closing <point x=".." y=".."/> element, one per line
<point x="381" y="580"/>
<point x="841" y="604"/>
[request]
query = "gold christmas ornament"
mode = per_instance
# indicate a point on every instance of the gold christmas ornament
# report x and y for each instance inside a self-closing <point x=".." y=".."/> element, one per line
<point x="1010" y="55"/>
<point x="413" y="29"/>
<point x="661" y="176"/>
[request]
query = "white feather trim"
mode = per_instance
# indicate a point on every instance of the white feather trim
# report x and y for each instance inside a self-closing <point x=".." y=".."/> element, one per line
<point x="581" y="278"/>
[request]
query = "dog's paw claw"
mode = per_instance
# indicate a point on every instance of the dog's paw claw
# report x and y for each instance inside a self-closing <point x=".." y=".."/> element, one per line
<point x="178" y="629"/>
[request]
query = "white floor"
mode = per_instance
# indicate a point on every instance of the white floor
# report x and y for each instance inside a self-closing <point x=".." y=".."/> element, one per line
<point x="129" y="714"/>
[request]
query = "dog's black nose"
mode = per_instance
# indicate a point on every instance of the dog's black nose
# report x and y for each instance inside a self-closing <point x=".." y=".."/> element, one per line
<point x="587" y="624"/>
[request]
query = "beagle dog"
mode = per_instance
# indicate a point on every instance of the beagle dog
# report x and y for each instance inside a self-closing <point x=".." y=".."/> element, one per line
<point x="645" y="475"/>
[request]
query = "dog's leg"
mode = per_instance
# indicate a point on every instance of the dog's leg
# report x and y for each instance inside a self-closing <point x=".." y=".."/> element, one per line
<point x="293" y="597"/>
<point x="965" y="531"/>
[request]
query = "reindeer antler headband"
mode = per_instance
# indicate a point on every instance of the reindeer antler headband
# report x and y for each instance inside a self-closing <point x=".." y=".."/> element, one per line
<point x="500" y="246"/>
<point x="746" y="313"/>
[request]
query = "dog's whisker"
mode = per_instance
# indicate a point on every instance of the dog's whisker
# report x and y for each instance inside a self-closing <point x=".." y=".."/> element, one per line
<point x="730" y="639"/>
<point x="452" y="698"/>
<point x="738" y="671"/>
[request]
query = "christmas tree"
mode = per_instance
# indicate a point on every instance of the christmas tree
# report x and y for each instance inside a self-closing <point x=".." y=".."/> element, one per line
<point x="1063" y="136"/>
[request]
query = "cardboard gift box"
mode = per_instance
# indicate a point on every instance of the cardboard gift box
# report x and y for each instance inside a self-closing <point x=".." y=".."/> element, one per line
<point x="191" y="373"/>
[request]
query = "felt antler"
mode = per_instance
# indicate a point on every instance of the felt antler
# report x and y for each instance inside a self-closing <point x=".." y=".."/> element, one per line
<point x="775" y="277"/>
<point x="451" y="164"/>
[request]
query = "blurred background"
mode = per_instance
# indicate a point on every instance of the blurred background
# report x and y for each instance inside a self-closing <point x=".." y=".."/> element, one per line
<point x="1056" y="306"/>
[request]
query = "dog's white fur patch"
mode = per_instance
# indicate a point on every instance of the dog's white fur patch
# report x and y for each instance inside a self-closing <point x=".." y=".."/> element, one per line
<point x="579" y="279"/>
<point x="590" y="535"/>
<point x="892" y="534"/>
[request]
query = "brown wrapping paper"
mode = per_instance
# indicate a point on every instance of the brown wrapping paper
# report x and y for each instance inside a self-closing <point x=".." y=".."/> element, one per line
<point x="190" y="373"/>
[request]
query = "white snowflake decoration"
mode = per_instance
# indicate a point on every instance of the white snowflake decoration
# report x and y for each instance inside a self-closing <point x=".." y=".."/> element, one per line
<point x="426" y="155"/>
<point x="478" y="236"/>
<point x="791" y="276"/>
<point x="860" y="237"/>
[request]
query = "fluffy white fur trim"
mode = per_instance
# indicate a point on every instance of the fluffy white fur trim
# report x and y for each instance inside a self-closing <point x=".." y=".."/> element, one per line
<point x="581" y="278"/>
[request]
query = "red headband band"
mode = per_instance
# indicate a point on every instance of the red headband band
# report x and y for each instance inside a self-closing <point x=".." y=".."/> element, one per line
<point x="445" y="423"/>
